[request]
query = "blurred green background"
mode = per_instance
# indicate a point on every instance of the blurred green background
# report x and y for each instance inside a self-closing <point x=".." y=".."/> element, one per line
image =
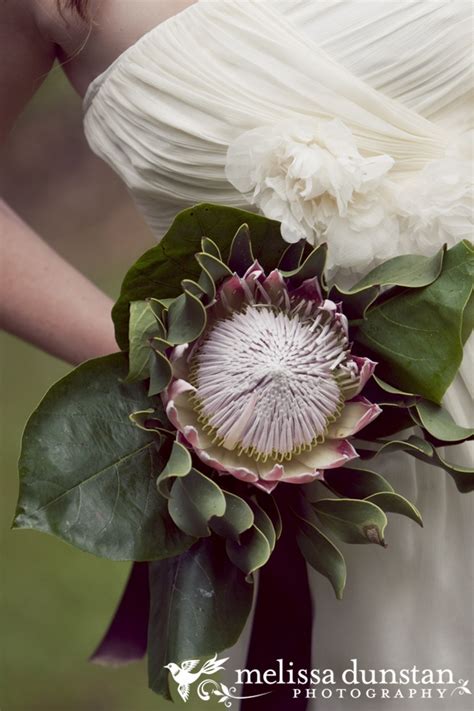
<point x="56" y="601"/>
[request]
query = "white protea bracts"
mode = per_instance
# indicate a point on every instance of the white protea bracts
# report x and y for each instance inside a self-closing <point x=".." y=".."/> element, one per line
<point x="269" y="391"/>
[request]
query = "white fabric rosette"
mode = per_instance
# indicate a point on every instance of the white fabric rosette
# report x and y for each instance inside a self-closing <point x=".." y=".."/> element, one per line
<point x="436" y="206"/>
<point x="309" y="175"/>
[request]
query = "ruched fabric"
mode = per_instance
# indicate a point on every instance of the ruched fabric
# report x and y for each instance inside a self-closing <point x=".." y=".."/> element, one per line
<point x="164" y="114"/>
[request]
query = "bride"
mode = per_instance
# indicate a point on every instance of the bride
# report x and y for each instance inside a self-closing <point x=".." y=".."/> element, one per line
<point x="180" y="99"/>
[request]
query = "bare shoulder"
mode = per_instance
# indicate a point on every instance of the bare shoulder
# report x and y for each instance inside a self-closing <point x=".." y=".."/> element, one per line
<point x="87" y="46"/>
<point x="35" y="32"/>
<point x="25" y="58"/>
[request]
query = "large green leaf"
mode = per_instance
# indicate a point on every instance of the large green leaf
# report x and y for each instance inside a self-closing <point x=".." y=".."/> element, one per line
<point x="416" y="336"/>
<point x="199" y="605"/>
<point x="88" y="473"/>
<point x="159" y="271"/>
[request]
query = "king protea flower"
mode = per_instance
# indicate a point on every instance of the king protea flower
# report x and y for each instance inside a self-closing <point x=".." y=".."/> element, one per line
<point x="270" y="392"/>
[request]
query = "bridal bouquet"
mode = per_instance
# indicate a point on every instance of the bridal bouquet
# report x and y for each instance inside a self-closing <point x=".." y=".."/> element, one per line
<point x="253" y="399"/>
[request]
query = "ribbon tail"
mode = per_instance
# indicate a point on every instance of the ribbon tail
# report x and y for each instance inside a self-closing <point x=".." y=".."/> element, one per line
<point x="282" y="626"/>
<point x="126" y="638"/>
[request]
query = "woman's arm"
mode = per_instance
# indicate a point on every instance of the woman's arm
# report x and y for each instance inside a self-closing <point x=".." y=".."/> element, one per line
<point x="43" y="299"/>
<point x="47" y="302"/>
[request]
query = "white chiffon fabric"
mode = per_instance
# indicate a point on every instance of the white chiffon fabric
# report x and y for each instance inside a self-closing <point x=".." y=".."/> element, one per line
<point x="398" y="75"/>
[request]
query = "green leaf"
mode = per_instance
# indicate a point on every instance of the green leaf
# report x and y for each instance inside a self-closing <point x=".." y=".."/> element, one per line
<point x="321" y="554"/>
<point x="416" y="335"/>
<point x="199" y="605"/>
<point x="291" y="257"/>
<point x="179" y="464"/>
<point x="102" y="498"/>
<point x="210" y="247"/>
<point x="216" y="269"/>
<point x="251" y="552"/>
<point x="313" y="266"/>
<point x="391" y="502"/>
<point x="198" y="290"/>
<point x="269" y="505"/>
<point x="392" y="420"/>
<point x="410" y="270"/>
<point x="238" y="517"/>
<point x="161" y="371"/>
<point x="159" y="271"/>
<point x="411" y="445"/>
<point x="241" y="256"/>
<point x="393" y="390"/>
<point x="264" y="523"/>
<point x="426" y="452"/>
<point x="468" y="320"/>
<point x="355" y="483"/>
<point x="152" y="420"/>
<point x="143" y="326"/>
<point x="351" y="520"/>
<point x="439" y="423"/>
<point x="186" y="319"/>
<point x="194" y="500"/>
<point x="463" y="476"/>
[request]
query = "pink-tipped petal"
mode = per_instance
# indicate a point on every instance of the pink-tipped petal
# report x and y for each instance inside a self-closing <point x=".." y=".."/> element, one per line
<point x="355" y="415"/>
<point x="343" y="322"/>
<point x="330" y="306"/>
<point x="271" y="471"/>
<point x="176" y="389"/>
<point x="180" y="413"/>
<point x="267" y="486"/>
<point x="254" y="271"/>
<point x="292" y="470"/>
<point x="310" y="290"/>
<point x="274" y="285"/>
<point x="225" y="461"/>
<point x="303" y="478"/>
<point x="366" y="370"/>
<point x="329" y="455"/>
<point x="231" y="293"/>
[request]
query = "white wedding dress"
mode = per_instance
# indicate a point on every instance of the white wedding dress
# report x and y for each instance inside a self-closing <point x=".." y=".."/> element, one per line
<point x="399" y="76"/>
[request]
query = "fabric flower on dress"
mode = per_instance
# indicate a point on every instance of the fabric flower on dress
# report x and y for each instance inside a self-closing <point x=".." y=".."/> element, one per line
<point x="435" y="207"/>
<point x="270" y="391"/>
<point x="309" y="175"/>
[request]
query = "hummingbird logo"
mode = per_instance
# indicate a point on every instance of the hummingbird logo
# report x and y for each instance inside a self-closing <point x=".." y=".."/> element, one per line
<point x="184" y="675"/>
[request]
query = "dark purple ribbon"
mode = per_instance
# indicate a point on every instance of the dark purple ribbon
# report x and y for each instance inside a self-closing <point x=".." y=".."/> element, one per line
<point x="282" y="625"/>
<point x="126" y="638"/>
